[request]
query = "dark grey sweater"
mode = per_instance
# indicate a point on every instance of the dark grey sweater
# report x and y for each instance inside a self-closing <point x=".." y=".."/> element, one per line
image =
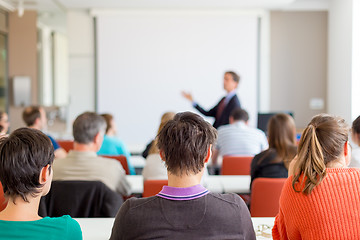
<point x="213" y="216"/>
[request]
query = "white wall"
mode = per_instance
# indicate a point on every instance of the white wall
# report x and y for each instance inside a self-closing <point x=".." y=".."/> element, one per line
<point x="81" y="63"/>
<point x="61" y="70"/>
<point x="339" y="93"/>
<point x="146" y="58"/>
<point x="355" y="109"/>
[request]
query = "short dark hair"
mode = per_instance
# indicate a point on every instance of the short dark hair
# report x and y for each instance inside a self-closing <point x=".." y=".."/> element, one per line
<point x="239" y="114"/>
<point x="30" y="114"/>
<point x="184" y="142"/>
<point x="234" y="76"/>
<point x="356" y="125"/>
<point x="86" y="126"/>
<point x="22" y="156"/>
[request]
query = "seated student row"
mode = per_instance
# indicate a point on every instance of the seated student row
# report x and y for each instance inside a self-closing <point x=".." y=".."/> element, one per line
<point x="323" y="147"/>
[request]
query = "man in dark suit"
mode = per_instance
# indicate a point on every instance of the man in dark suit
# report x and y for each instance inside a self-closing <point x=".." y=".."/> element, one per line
<point x="222" y="110"/>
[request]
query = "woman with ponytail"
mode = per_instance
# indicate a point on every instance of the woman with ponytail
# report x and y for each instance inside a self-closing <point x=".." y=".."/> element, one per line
<point x="321" y="198"/>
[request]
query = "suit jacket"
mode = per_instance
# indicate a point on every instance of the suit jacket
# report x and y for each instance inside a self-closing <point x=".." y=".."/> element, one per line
<point x="224" y="117"/>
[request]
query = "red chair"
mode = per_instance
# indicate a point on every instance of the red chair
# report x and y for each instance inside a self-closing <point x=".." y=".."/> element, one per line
<point x="265" y="195"/>
<point x="2" y="199"/>
<point x="236" y="165"/>
<point x="153" y="187"/>
<point x="67" y="145"/>
<point x="122" y="160"/>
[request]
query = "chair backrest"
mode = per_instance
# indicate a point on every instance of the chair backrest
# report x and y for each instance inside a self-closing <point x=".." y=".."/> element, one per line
<point x="265" y="195"/>
<point x="67" y="145"/>
<point x="3" y="202"/>
<point x="80" y="199"/>
<point x="122" y="159"/>
<point x="236" y="165"/>
<point x="153" y="187"/>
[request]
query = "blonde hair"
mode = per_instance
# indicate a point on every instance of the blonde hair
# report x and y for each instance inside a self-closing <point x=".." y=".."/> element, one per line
<point x="321" y="142"/>
<point x="164" y="119"/>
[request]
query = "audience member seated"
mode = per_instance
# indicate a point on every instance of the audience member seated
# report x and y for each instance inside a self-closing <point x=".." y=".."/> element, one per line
<point x="184" y="209"/>
<point x="237" y="138"/>
<point x="355" y="137"/>
<point x="35" y="117"/>
<point x="154" y="166"/>
<point x="26" y="157"/>
<point x="4" y="123"/>
<point x="320" y="199"/>
<point x="82" y="163"/>
<point x="112" y="145"/>
<point x="274" y="162"/>
<point x="164" y="119"/>
<point x="92" y="199"/>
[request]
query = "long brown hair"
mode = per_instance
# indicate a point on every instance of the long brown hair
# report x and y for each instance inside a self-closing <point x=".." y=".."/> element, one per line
<point x="164" y="119"/>
<point x="282" y="138"/>
<point x="322" y="142"/>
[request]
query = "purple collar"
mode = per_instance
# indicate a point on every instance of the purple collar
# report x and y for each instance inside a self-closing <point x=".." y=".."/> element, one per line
<point x="190" y="193"/>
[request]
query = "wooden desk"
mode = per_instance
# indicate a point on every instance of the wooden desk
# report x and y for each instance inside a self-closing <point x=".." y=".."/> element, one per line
<point x="215" y="183"/>
<point x="100" y="228"/>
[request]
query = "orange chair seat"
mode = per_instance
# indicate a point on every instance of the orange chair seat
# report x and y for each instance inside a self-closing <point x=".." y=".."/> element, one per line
<point x="236" y="165"/>
<point x="265" y="195"/>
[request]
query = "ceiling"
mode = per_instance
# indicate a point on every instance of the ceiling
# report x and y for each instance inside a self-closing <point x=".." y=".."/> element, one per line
<point x="64" y="5"/>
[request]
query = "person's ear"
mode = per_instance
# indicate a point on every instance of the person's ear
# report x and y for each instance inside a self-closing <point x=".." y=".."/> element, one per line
<point x="208" y="155"/>
<point x="161" y="152"/>
<point x="347" y="153"/>
<point x="44" y="174"/>
<point x="231" y="120"/>
<point x="99" y="138"/>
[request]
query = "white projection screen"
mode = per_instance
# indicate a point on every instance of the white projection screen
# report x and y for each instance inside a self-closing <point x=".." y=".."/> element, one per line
<point x="145" y="59"/>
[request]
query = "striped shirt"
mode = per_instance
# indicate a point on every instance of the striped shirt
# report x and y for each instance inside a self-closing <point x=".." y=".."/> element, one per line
<point x="190" y="193"/>
<point x="239" y="139"/>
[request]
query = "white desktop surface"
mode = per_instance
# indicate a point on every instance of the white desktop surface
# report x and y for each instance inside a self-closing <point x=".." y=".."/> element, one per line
<point x="100" y="228"/>
<point x="137" y="161"/>
<point x="215" y="183"/>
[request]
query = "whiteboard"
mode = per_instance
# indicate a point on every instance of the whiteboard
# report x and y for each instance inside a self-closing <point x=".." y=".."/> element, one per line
<point x="145" y="59"/>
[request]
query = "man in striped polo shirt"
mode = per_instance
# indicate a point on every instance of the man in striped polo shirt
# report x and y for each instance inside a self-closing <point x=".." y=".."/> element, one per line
<point x="184" y="209"/>
<point x="237" y="138"/>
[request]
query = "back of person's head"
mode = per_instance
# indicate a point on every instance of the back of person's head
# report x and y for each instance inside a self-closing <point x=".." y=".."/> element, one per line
<point x="30" y="114"/>
<point x="108" y="118"/>
<point x="356" y="129"/>
<point x="164" y="119"/>
<point x="86" y="126"/>
<point x="282" y="136"/>
<point x="22" y="156"/>
<point x="234" y="76"/>
<point x="322" y="142"/>
<point x="239" y="114"/>
<point x="184" y="143"/>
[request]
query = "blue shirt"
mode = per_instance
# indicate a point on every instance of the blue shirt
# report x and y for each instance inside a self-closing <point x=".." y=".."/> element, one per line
<point x="54" y="143"/>
<point x="113" y="146"/>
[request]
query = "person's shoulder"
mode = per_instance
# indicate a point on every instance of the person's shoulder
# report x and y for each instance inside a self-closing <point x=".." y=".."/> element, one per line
<point x="65" y="219"/>
<point x="111" y="164"/>
<point x="258" y="132"/>
<point x="225" y="128"/>
<point x="72" y="228"/>
<point x="228" y="198"/>
<point x="134" y="203"/>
